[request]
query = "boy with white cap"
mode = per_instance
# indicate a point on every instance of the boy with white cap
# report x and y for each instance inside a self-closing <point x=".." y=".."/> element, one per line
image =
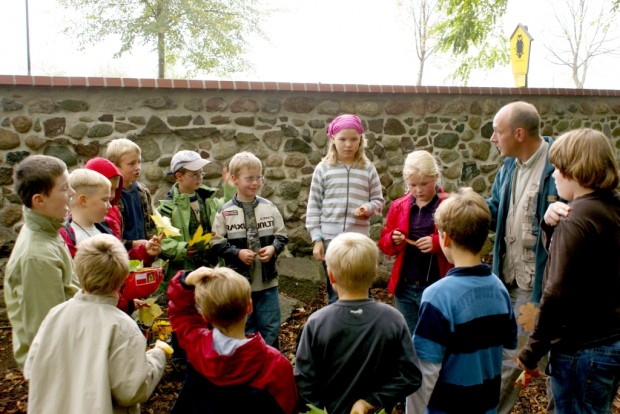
<point x="190" y="204"/>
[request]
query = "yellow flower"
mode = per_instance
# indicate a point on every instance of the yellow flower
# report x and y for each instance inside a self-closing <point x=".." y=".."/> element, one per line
<point x="200" y="237"/>
<point x="164" y="225"/>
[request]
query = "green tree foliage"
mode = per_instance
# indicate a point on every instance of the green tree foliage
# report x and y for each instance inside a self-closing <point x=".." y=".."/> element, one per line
<point x="204" y="35"/>
<point x="472" y="30"/>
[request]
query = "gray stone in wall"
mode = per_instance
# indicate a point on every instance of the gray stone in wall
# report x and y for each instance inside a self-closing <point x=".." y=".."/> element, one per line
<point x="6" y="176"/>
<point x="78" y="131"/>
<point x="244" y="138"/>
<point x="16" y="157"/>
<point x="274" y="160"/>
<point x="328" y="107"/>
<point x="10" y="105"/>
<point x="475" y="108"/>
<point x="8" y="139"/>
<point x="247" y="121"/>
<point x="224" y="151"/>
<point x="314" y="157"/>
<point x="393" y="126"/>
<point x="455" y="106"/>
<point x="153" y="173"/>
<point x="179" y="121"/>
<point x="155" y="125"/>
<point x="194" y="105"/>
<point x="64" y="153"/>
<point x="54" y="127"/>
<point x="446" y="140"/>
<point x="316" y="123"/>
<point x="22" y="123"/>
<point x="320" y="139"/>
<point x="375" y="125"/>
<point x="289" y="130"/>
<point x="257" y="149"/>
<point x="487" y="130"/>
<point x="470" y="171"/>
<point x="269" y="120"/>
<point x="150" y="149"/>
<point x="295" y="160"/>
<point x="289" y="190"/>
<point x="89" y="150"/>
<point x="244" y="105"/>
<point x="270" y="106"/>
<point x="138" y="120"/>
<point x="35" y="142"/>
<point x="220" y="120"/>
<point x="161" y="102"/>
<point x="368" y="108"/>
<point x="41" y="106"/>
<point x="391" y="143"/>
<point x="299" y="104"/>
<point x="100" y="131"/>
<point x="199" y="120"/>
<point x="11" y="215"/>
<point x="106" y="118"/>
<point x="6" y="122"/>
<point x="453" y="171"/>
<point x="216" y="105"/>
<point x="73" y="105"/>
<point x="448" y="157"/>
<point x="273" y="139"/>
<point x="397" y="106"/>
<point x="297" y="145"/>
<point x="274" y="173"/>
<point x="480" y="150"/>
<point x="115" y="105"/>
<point x="479" y="185"/>
<point x="123" y="127"/>
<point x="300" y="278"/>
<point x="406" y="145"/>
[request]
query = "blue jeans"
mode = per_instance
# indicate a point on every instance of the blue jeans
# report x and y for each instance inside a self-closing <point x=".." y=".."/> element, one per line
<point x="407" y="299"/>
<point x="265" y="316"/>
<point x="585" y="381"/>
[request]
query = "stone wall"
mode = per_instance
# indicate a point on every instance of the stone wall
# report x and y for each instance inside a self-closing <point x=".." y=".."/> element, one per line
<point x="283" y="125"/>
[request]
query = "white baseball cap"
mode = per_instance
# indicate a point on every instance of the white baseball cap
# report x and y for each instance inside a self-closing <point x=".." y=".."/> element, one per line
<point x="190" y="160"/>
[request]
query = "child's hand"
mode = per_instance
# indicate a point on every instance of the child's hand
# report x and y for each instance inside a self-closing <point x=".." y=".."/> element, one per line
<point x="425" y="244"/>
<point x="361" y="212"/>
<point x="318" y="250"/>
<point x="138" y="304"/>
<point x="226" y="177"/>
<point x="555" y="211"/>
<point x="266" y="253"/>
<point x="164" y="347"/>
<point x="397" y="237"/>
<point x="361" y="407"/>
<point x="246" y="256"/>
<point x="197" y="275"/>
<point x="153" y="246"/>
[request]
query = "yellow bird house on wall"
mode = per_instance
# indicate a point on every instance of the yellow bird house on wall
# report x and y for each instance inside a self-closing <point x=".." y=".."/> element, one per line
<point x="520" y="42"/>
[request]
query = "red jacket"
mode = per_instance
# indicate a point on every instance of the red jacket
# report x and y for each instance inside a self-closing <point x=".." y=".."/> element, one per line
<point x="252" y="368"/>
<point x="398" y="219"/>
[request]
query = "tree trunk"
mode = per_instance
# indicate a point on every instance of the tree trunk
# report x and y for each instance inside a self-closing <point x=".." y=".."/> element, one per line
<point x="161" y="56"/>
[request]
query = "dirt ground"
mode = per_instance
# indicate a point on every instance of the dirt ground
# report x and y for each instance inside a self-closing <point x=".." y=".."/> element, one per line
<point x="14" y="389"/>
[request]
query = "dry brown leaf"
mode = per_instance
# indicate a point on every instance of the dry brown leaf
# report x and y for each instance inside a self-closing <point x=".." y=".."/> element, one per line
<point x="527" y="316"/>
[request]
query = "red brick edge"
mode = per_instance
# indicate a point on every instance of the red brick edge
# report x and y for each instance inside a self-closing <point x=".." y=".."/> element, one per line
<point x="226" y="85"/>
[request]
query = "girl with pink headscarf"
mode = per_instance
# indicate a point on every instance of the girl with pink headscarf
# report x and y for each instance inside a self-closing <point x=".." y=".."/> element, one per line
<point x="345" y="190"/>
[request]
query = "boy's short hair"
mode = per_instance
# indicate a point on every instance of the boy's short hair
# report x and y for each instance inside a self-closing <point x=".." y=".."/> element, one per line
<point x="244" y="160"/>
<point x="223" y="297"/>
<point x="85" y="181"/>
<point x="101" y="264"/>
<point x="352" y="259"/>
<point x="586" y="156"/>
<point x="37" y="174"/>
<point x="421" y="163"/>
<point x="465" y="217"/>
<point x="119" y="147"/>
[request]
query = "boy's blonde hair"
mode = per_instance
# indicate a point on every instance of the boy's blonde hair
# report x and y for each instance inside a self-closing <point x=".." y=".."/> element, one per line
<point x="352" y="259"/>
<point x="36" y="174"/>
<point x="119" y="147"/>
<point x="244" y="160"/>
<point x="586" y="156"/>
<point x="86" y="182"/>
<point x="465" y="217"/>
<point x="102" y="264"/>
<point x="421" y="163"/>
<point x="223" y="297"/>
<point x="360" y="160"/>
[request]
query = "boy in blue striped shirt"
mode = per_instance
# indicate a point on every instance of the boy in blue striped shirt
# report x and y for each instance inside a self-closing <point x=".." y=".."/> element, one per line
<point x="466" y="318"/>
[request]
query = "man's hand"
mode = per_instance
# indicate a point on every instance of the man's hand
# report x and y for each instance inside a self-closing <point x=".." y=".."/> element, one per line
<point x="531" y="372"/>
<point x="197" y="275"/>
<point x="425" y="244"/>
<point x="397" y="237"/>
<point x="555" y="211"/>
<point x="361" y="212"/>
<point x="318" y="250"/>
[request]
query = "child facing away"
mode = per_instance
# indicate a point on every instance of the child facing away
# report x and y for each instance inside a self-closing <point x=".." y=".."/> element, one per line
<point x="40" y="272"/>
<point x="228" y="372"/>
<point x="249" y="236"/>
<point x="466" y="318"/>
<point x="579" y="319"/>
<point x="89" y="356"/>
<point x="89" y="207"/>
<point x="411" y="235"/>
<point x="356" y="354"/>
<point x="345" y="190"/>
<point x="190" y="205"/>
<point x="135" y="204"/>
<point x="113" y="217"/>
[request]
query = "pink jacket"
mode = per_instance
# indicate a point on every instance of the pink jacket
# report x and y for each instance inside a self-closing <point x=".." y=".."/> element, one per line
<point x="398" y="219"/>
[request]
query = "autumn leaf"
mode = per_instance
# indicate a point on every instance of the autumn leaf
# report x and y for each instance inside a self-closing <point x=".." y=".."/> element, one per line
<point x="148" y="314"/>
<point x="199" y="237"/>
<point x="527" y="316"/>
<point x="162" y="330"/>
<point x="314" y="410"/>
<point x="164" y="225"/>
<point x="135" y="265"/>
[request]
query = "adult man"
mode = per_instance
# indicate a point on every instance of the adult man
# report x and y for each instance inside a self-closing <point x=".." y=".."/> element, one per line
<point x="521" y="193"/>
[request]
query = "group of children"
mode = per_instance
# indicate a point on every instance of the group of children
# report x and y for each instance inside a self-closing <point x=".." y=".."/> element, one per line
<point x="354" y="356"/>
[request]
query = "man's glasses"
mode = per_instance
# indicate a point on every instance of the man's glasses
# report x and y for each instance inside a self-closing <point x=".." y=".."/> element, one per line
<point x="250" y="180"/>
<point x="195" y="175"/>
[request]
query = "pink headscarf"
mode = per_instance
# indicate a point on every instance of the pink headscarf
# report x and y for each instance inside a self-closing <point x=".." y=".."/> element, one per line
<point x="345" y="122"/>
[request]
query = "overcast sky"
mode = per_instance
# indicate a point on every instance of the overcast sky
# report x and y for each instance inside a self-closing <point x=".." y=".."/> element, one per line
<point x="328" y="41"/>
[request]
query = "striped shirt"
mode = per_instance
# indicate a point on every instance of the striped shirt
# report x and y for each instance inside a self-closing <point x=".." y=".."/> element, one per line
<point x="335" y="192"/>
